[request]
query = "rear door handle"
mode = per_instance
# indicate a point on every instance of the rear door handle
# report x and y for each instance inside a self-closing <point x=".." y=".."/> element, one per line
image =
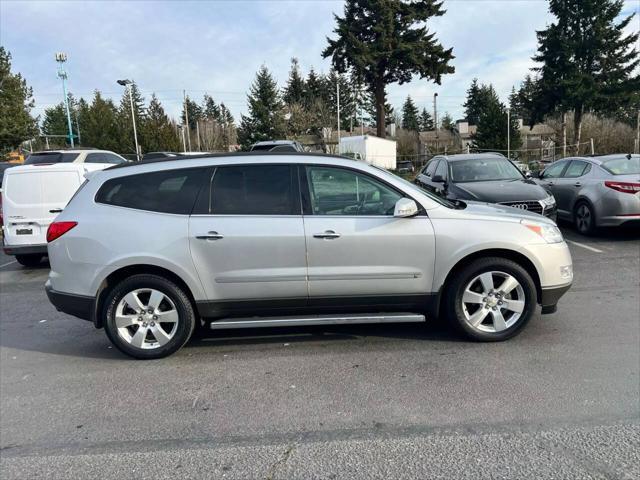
<point x="327" y="234"/>
<point x="210" y="236"/>
<point x="55" y="210"/>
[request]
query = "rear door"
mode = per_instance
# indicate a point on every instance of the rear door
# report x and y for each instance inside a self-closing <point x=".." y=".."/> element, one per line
<point x="358" y="252"/>
<point x="33" y="197"/>
<point x="247" y="236"/>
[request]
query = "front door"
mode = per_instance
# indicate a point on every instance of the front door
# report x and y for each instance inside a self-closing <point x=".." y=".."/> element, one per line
<point x="358" y="252"/>
<point x="550" y="179"/>
<point x="247" y="236"/>
<point x="566" y="188"/>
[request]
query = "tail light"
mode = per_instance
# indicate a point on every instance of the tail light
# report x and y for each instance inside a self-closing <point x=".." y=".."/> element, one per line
<point x="57" y="229"/>
<point x="624" y="187"/>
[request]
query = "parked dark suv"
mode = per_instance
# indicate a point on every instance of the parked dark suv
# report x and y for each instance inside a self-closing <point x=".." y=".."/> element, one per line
<point x="485" y="177"/>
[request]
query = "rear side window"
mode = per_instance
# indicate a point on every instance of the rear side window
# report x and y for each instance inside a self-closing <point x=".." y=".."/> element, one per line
<point x="577" y="168"/>
<point x="101" y="157"/>
<point x="252" y="190"/>
<point x="171" y="191"/>
<point x="50" y="157"/>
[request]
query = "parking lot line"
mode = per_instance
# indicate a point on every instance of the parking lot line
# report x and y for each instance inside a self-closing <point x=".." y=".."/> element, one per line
<point x="8" y="263"/>
<point x="577" y="244"/>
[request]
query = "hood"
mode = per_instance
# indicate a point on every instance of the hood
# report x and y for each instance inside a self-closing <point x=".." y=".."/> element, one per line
<point x="497" y="191"/>
<point x="502" y="212"/>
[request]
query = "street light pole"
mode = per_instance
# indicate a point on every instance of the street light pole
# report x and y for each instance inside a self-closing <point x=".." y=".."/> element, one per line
<point x="62" y="74"/>
<point x="435" y="117"/>
<point x="508" y="132"/>
<point x="128" y="84"/>
<point x="338" y="97"/>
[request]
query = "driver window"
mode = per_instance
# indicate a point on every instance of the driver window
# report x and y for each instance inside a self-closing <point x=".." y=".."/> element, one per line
<point x="336" y="191"/>
<point x="442" y="169"/>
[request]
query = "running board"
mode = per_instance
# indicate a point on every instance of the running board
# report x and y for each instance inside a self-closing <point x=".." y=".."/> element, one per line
<point x="257" y="322"/>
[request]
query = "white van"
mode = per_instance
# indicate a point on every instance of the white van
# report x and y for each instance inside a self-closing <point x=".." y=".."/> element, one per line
<point x="32" y="196"/>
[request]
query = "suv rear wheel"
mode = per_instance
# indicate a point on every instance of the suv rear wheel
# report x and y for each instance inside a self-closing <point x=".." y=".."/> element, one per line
<point x="30" y="260"/>
<point x="148" y="316"/>
<point x="491" y="299"/>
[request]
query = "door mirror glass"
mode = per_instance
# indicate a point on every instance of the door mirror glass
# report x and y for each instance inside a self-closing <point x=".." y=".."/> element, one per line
<point x="405" y="207"/>
<point x="437" y="179"/>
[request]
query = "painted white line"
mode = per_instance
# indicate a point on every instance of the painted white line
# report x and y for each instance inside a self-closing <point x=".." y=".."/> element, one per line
<point x="593" y="249"/>
<point x="9" y="263"/>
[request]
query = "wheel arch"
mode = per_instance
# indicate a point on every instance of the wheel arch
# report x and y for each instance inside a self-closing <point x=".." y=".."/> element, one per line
<point x="517" y="257"/>
<point x="120" y="274"/>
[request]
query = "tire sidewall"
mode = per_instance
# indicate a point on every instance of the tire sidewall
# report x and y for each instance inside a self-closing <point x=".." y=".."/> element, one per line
<point x="186" y="316"/>
<point x="462" y="279"/>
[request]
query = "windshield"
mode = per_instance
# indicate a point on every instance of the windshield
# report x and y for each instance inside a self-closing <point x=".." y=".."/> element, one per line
<point x="50" y="157"/>
<point x="484" y="170"/>
<point x="622" y="165"/>
<point x="412" y="186"/>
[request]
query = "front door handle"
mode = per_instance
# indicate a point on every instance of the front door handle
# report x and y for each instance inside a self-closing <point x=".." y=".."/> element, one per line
<point x="577" y="184"/>
<point x="327" y="234"/>
<point x="210" y="236"/>
<point x="55" y="210"/>
<point x="550" y="183"/>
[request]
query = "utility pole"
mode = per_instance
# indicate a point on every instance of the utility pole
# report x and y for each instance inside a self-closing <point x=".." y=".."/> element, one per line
<point x="78" y="128"/>
<point x="338" y="98"/>
<point x="564" y="134"/>
<point x="128" y="85"/>
<point x="593" y="150"/>
<point x="184" y="141"/>
<point x="61" y="58"/>
<point x="638" y="133"/>
<point x="186" y="118"/>
<point x="435" y="117"/>
<point x="508" y="132"/>
<point x="198" y="134"/>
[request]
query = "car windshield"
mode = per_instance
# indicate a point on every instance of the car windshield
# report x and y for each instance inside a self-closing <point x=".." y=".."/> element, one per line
<point x="418" y="188"/>
<point x="622" y="165"/>
<point x="50" y="157"/>
<point x="483" y="170"/>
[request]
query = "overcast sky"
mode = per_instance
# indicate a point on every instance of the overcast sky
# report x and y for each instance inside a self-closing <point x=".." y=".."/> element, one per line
<point x="216" y="47"/>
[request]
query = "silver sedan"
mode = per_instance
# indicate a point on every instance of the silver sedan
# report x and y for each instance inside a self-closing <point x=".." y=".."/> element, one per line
<point x="596" y="191"/>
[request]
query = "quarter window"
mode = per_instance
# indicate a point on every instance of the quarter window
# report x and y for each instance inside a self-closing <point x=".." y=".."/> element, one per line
<point x="336" y="191"/>
<point x="252" y="190"/>
<point x="170" y="191"/>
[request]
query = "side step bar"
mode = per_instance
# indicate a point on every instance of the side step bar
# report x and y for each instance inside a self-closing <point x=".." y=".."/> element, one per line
<point x="257" y="322"/>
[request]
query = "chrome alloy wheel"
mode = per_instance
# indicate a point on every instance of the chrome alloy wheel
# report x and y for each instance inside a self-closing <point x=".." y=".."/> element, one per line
<point x="146" y="318"/>
<point x="493" y="302"/>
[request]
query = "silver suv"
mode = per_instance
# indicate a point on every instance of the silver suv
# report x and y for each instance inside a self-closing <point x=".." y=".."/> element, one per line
<point x="149" y="250"/>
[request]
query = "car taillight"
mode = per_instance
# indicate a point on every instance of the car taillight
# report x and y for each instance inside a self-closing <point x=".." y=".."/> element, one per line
<point x="624" y="187"/>
<point x="57" y="229"/>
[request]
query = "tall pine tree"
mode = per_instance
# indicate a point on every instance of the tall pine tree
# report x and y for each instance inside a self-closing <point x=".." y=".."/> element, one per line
<point x="426" y="121"/>
<point x="387" y="41"/>
<point x="294" y="92"/>
<point x="265" y="120"/>
<point x="159" y="133"/>
<point x="100" y="127"/>
<point x="586" y="61"/>
<point x="410" y="116"/>
<point x="492" y="128"/>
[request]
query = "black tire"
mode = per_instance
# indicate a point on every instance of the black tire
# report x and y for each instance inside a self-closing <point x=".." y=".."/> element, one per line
<point x="584" y="218"/>
<point x="186" y="316"/>
<point x="31" y="260"/>
<point x="456" y="286"/>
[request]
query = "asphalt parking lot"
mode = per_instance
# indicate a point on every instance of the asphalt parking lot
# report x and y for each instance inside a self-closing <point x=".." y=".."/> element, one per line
<point x="562" y="400"/>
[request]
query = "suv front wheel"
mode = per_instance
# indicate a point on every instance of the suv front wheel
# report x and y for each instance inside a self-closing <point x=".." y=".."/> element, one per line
<point x="148" y="316"/>
<point x="491" y="299"/>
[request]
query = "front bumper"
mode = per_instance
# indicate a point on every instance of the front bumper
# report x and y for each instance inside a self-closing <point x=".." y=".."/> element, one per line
<point x="79" y="306"/>
<point x="25" y="249"/>
<point x="549" y="297"/>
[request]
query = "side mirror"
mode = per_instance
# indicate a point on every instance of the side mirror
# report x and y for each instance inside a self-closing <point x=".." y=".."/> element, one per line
<point x="437" y="179"/>
<point x="405" y="207"/>
<point x="527" y="174"/>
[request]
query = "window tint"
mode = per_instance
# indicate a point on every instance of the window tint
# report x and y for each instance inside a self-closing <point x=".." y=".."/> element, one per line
<point x="252" y="190"/>
<point x="431" y="167"/>
<point x="554" y="170"/>
<point x="576" y="169"/>
<point x="441" y="169"/>
<point x="95" y="158"/>
<point x="111" y="158"/>
<point x="50" y="157"/>
<point x="336" y="191"/>
<point x="171" y="191"/>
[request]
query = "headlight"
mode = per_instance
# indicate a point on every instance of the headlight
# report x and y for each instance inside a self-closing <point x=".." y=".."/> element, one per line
<point x="550" y="233"/>
<point x="550" y="201"/>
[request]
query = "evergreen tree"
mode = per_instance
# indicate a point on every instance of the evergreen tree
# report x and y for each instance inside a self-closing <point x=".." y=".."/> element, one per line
<point x="426" y="121"/>
<point x="294" y="92"/>
<point x="81" y="111"/>
<point x="210" y="110"/>
<point x="55" y="121"/>
<point x="586" y="62"/>
<point x="387" y="41"/>
<point x="314" y="87"/>
<point x="479" y="97"/>
<point x="446" y="122"/>
<point x="16" y="102"/>
<point x="410" y="116"/>
<point x="124" y="122"/>
<point x="265" y="120"/>
<point x="492" y="128"/>
<point x="194" y="112"/>
<point x="347" y="105"/>
<point x="159" y="132"/>
<point x="100" y="127"/>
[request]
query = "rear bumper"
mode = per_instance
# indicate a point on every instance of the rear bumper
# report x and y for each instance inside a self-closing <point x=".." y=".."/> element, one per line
<point x="79" y="306"/>
<point x="549" y="297"/>
<point x="25" y="249"/>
